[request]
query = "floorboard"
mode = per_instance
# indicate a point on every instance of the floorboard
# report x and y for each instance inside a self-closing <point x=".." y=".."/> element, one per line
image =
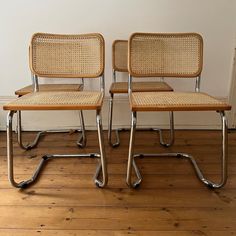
<point x="170" y="201"/>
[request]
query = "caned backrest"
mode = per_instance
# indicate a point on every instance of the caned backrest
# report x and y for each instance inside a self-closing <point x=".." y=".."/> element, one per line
<point x="67" y="56"/>
<point x="165" y="55"/>
<point x="120" y="55"/>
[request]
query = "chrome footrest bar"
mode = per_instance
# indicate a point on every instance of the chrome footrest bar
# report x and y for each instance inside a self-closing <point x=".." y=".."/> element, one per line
<point x="46" y="158"/>
<point x="209" y="183"/>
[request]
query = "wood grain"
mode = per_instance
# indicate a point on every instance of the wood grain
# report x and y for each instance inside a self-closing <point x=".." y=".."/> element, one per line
<point x="170" y="202"/>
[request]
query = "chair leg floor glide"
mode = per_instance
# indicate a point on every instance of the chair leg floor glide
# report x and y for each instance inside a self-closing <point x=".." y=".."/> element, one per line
<point x="208" y="183"/>
<point x="81" y="142"/>
<point x="160" y="131"/>
<point x="101" y="168"/>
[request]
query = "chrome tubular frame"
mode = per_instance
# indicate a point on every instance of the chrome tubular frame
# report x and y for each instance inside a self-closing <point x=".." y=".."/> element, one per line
<point x="117" y="143"/>
<point x="27" y="146"/>
<point x="35" y="83"/>
<point x="131" y="161"/>
<point x="101" y="168"/>
<point x="208" y="183"/>
<point x="81" y="142"/>
<point x="114" y="75"/>
<point x="172" y="132"/>
<point x="102" y="84"/>
<point x="82" y="80"/>
<point x="117" y="138"/>
<point x="197" y="85"/>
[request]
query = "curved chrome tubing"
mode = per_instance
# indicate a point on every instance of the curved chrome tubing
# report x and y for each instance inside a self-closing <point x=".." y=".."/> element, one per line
<point x="172" y="132"/>
<point x="101" y="168"/>
<point x="81" y="140"/>
<point x="210" y="184"/>
<point x="117" y="142"/>
<point x="117" y="137"/>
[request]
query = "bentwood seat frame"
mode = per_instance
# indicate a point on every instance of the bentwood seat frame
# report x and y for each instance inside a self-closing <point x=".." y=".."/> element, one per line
<point x="120" y="65"/>
<point x="71" y="56"/>
<point x="170" y="55"/>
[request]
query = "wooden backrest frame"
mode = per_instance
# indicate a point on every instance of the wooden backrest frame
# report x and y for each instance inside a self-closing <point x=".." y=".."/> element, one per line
<point x="67" y="56"/>
<point x="165" y="55"/>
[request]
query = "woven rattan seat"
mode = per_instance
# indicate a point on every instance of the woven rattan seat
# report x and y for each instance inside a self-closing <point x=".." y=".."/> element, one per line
<point x="177" y="101"/>
<point x="83" y="100"/>
<point x="122" y="87"/>
<point x="49" y="87"/>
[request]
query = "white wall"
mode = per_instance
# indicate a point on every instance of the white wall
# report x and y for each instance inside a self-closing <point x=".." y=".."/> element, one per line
<point x="117" y="19"/>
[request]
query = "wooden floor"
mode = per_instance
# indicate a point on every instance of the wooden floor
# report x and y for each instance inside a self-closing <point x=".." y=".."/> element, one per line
<point x="170" y="201"/>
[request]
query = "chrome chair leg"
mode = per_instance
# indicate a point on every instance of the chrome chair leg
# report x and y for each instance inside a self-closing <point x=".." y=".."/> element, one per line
<point x="172" y="132"/>
<point x="208" y="183"/>
<point x="117" y="142"/>
<point x="131" y="161"/>
<point x="102" y="166"/>
<point x="24" y="184"/>
<point x="27" y="146"/>
<point x="82" y="140"/>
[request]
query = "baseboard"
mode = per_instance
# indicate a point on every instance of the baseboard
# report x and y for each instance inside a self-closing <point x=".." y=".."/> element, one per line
<point x="70" y="119"/>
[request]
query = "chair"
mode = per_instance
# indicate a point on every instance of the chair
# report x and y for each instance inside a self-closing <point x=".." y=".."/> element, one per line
<point x="48" y="87"/>
<point x="67" y="56"/>
<point x="170" y="55"/>
<point x="120" y="64"/>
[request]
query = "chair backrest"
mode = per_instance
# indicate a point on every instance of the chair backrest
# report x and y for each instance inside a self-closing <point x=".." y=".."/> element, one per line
<point x="120" y="55"/>
<point x="165" y="55"/>
<point x="67" y="56"/>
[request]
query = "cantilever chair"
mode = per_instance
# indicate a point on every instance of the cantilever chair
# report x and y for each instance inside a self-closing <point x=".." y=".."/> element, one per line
<point x="120" y="64"/>
<point x="48" y="88"/>
<point x="76" y="56"/>
<point x="170" y="55"/>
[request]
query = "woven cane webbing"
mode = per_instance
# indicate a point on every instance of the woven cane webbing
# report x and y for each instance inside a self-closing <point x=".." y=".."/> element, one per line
<point x="122" y="87"/>
<point x="67" y="56"/>
<point x="120" y="55"/>
<point x="165" y="55"/>
<point x="49" y="87"/>
<point x="88" y="100"/>
<point x="175" y="101"/>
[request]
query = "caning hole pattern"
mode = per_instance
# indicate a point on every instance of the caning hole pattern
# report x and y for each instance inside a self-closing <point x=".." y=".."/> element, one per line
<point x="67" y="55"/>
<point x="176" y="99"/>
<point x="120" y="55"/>
<point x="119" y="87"/>
<point x="167" y="55"/>
<point x="59" y="98"/>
